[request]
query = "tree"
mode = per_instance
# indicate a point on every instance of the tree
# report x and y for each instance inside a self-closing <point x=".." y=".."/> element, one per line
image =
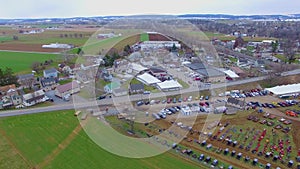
<point x="15" y="37"/>
<point x="7" y="77"/>
<point x="35" y="66"/>
<point x="289" y="50"/>
<point x="274" y="46"/>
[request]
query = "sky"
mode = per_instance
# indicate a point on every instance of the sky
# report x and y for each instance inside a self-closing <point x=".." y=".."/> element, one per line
<point x="73" y="8"/>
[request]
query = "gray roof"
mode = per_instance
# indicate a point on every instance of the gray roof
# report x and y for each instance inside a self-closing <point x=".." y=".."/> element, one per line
<point x="44" y="81"/>
<point x="210" y="72"/>
<point x="26" y="76"/>
<point x="195" y="66"/>
<point x="120" y="90"/>
<point x="52" y="70"/>
<point x="139" y="86"/>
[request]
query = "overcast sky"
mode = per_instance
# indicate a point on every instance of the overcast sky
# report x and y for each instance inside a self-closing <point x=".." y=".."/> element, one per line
<point x="71" y="8"/>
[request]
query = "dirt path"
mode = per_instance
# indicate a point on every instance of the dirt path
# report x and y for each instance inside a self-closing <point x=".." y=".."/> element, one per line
<point x="61" y="146"/>
<point x="15" y="148"/>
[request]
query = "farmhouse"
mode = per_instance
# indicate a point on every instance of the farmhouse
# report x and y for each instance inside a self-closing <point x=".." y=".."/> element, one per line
<point x="147" y="79"/>
<point x="67" y="89"/>
<point x="50" y="73"/>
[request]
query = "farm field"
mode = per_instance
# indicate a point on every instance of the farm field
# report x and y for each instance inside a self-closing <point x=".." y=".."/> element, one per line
<point x="55" y="140"/>
<point x="20" y="62"/>
<point x="144" y="37"/>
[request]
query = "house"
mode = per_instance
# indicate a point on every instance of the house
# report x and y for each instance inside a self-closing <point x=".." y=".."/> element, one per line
<point x="119" y="92"/>
<point x="16" y="100"/>
<point x="36" y="97"/>
<point x="50" y="73"/>
<point x="27" y="80"/>
<point x="49" y="83"/>
<point x="7" y="89"/>
<point x="111" y="86"/>
<point x="136" y="88"/>
<point x="105" y="75"/>
<point x="67" y="89"/>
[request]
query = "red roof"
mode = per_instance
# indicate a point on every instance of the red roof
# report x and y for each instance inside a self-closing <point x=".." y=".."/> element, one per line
<point x="67" y="87"/>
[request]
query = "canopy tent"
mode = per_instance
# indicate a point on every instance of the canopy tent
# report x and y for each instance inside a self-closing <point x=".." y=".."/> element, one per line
<point x="285" y="89"/>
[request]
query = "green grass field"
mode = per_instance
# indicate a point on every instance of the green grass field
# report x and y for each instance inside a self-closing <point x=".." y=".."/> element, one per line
<point x="144" y="37"/>
<point x="21" y="62"/>
<point x="38" y="136"/>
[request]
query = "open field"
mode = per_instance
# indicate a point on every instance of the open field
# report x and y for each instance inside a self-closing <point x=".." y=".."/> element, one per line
<point x="55" y="140"/>
<point x="144" y="37"/>
<point x="21" y="61"/>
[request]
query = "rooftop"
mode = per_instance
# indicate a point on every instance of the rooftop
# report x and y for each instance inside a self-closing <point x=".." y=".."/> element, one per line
<point x="67" y="87"/>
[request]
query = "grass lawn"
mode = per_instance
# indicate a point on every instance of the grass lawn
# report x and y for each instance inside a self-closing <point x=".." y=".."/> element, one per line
<point x="183" y="84"/>
<point x="62" y="82"/>
<point x="5" y="38"/>
<point x="10" y="159"/>
<point x="144" y="37"/>
<point x="21" y="62"/>
<point x="37" y="135"/>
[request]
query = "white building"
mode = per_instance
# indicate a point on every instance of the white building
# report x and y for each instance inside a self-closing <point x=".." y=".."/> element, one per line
<point x="147" y="79"/>
<point x="169" y="85"/>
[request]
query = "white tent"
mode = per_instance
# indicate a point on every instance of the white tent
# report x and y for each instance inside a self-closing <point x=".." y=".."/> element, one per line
<point x="231" y="74"/>
<point x="169" y="85"/>
<point x="285" y="89"/>
<point x="147" y="79"/>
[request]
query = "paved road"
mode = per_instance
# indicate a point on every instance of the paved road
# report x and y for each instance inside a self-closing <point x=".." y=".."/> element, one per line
<point x="117" y="100"/>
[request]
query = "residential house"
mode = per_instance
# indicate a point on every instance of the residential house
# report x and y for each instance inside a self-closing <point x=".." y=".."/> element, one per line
<point x="67" y="89"/>
<point x="49" y="83"/>
<point x="111" y="86"/>
<point x="50" y="73"/>
<point x="119" y="92"/>
<point x="27" y="80"/>
<point x="36" y="97"/>
<point x="7" y="88"/>
<point x="105" y="75"/>
<point x="136" y="88"/>
<point x="16" y="100"/>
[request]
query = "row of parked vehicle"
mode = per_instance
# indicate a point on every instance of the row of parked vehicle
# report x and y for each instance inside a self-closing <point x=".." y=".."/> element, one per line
<point x="201" y="157"/>
<point x="285" y="103"/>
<point x="166" y="111"/>
<point x="250" y="93"/>
<point x="171" y="100"/>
